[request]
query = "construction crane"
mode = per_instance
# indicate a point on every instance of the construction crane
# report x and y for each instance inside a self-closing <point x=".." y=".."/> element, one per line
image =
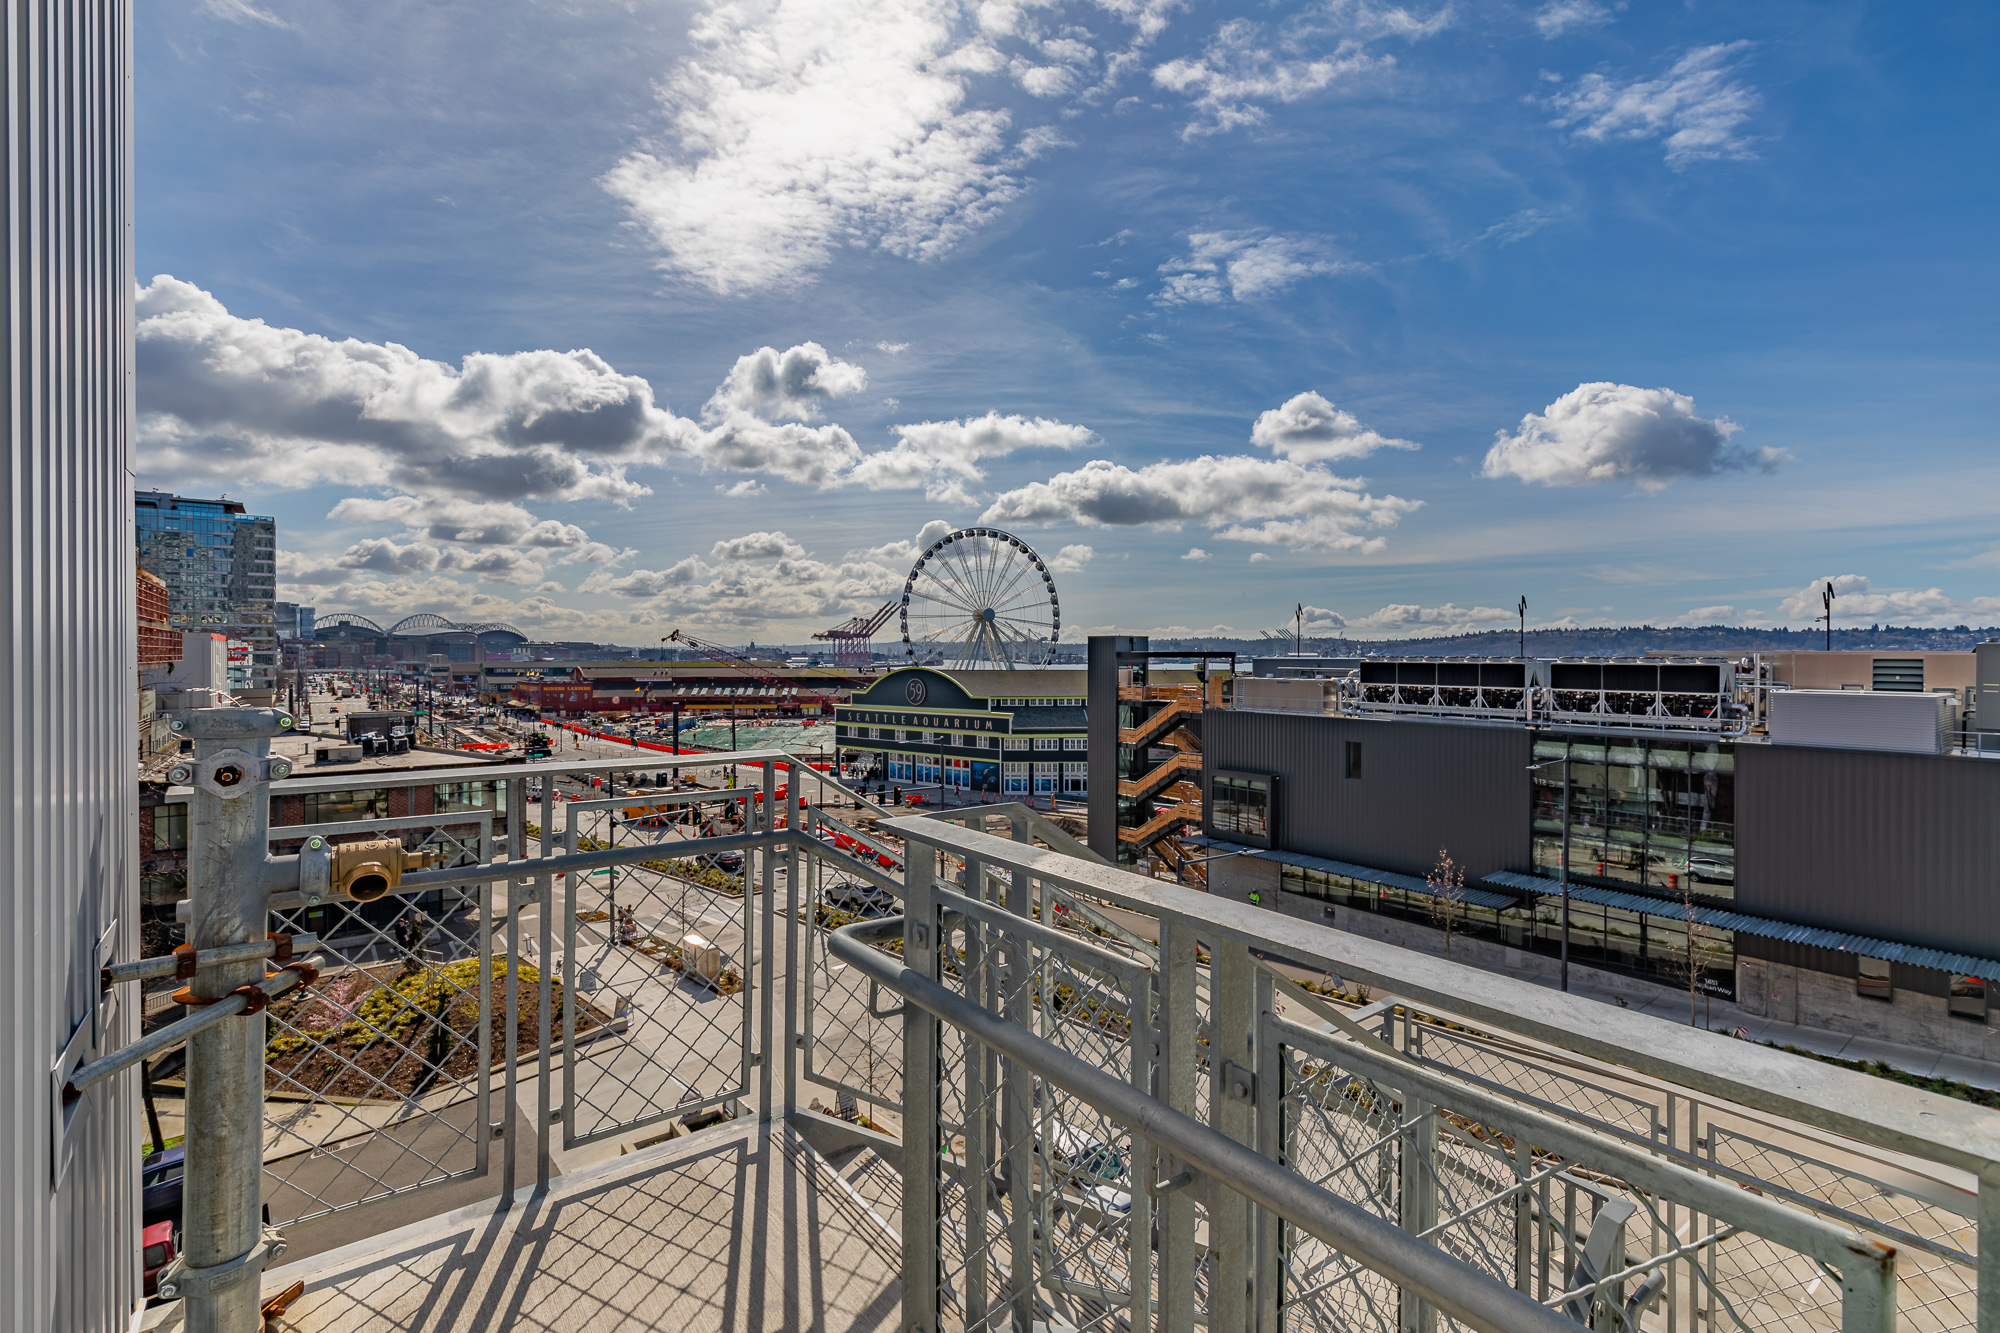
<point x="729" y="656"/>
<point x="852" y="640"/>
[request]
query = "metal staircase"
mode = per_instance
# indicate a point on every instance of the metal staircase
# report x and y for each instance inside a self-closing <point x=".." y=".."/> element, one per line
<point x="1173" y="723"/>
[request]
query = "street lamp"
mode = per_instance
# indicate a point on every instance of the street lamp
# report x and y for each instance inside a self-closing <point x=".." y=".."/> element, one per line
<point x="1564" y="761"/>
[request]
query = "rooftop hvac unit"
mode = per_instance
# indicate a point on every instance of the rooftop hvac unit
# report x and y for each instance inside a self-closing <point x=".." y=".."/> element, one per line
<point x="1861" y="720"/>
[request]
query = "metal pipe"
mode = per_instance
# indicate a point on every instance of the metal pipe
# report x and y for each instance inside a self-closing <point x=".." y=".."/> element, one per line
<point x="145" y="969"/>
<point x="172" y="1035"/>
<point x="228" y="846"/>
<point x="1463" y="1292"/>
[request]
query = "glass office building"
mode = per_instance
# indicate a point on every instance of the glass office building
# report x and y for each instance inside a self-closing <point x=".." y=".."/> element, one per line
<point x="220" y="567"/>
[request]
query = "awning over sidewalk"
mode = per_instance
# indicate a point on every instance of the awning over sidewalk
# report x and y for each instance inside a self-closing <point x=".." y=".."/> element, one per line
<point x="1722" y="919"/>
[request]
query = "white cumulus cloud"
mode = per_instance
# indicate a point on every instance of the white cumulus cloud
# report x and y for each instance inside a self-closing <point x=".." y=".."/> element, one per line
<point x="1855" y="598"/>
<point x="229" y="399"/>
<point x="760" y="577"/>
<point x="1724" y="614"/>
<point x="1401" y="618"/>
<point x="1264" y="501"/>
<point x="796" y="384"/>
<point x="1697" y="108"/>
<point x="1072" y="559"/>
<point x="1605" y="432"/>
<point x="943" y="457"/>
<point x="1309" y="429"/>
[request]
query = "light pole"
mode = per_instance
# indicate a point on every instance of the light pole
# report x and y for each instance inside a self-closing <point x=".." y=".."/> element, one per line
<point x="1564" y="761"/>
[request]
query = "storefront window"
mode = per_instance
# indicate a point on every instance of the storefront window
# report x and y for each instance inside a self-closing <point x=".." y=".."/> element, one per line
<point x="1507" y="925"/>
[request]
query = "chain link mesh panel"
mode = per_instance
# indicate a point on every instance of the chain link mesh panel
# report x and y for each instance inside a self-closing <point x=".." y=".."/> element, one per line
<point x="378" y="1077"/>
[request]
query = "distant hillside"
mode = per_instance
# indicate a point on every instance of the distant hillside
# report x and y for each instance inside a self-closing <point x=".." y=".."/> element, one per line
<point x="1624" y="641"/>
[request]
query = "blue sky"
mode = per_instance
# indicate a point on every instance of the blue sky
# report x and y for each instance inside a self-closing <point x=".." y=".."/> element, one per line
<point x="605" y="318"/>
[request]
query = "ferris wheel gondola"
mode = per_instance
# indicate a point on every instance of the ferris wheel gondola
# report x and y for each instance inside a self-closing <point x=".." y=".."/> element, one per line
<point x="981" y="598"/>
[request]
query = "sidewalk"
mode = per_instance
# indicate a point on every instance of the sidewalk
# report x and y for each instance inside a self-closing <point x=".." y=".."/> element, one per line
<point x="1726" y="1017"/>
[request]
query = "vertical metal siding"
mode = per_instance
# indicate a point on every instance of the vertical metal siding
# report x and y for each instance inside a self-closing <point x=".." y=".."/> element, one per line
<point x="68" y="684"/>
<point x="1423" y="786"/>
<point x="1899" y="846"/>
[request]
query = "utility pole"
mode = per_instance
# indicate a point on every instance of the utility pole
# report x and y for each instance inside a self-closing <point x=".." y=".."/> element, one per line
<point x="1523" y="609"/>
<point x="1826" y="600"/>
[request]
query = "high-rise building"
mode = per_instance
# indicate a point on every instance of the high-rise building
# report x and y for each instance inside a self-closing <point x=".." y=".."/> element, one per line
<point x="220" y="567"/>
<point x="295" y="621"/>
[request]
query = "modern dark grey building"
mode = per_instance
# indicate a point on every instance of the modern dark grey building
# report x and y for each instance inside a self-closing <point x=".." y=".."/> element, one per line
<point x="1824" y="858"/>
<point x="219" y="563"/>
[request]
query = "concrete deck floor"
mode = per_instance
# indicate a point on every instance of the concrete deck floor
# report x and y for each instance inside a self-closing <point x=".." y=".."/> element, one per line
<point x="742" y="1228"/>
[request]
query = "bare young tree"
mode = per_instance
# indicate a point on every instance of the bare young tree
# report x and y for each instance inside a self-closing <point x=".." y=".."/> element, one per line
<point x="1447" y="885"/>
<point x="1700" y="953"/>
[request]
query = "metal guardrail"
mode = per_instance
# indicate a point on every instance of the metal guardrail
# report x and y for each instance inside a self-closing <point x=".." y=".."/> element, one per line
<point x="1084" y="1022"/>
<point x="1658" y="1178"/>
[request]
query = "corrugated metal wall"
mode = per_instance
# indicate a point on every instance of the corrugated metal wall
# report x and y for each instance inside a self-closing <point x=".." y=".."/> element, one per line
<point x="68" y="686"/>
<point x="1901" y="846"/>
<point x="1423" y="786"/>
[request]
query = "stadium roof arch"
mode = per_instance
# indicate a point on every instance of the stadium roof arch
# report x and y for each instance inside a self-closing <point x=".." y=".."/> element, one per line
<point x="429" y="622"/>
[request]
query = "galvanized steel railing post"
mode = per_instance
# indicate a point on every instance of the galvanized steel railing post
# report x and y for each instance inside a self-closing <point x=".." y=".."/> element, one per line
<point x="545" y="955"/>
<point x="1175" y="1068"/>
<point x="1267" y="1273"/>
<point x="228" y="848"/>
<point x="800" y="870"/>
<point x="1232" y="1065"/>
<point x="1989" y="1248"/>
<point x="767" y="866"/>
<point x="978" y="1126"/>
<point x="1868" y="1291"/>
<point x="922" y="1284"/>
<point x="1417" y="1199"/>
<point x="1016" y="1108"/>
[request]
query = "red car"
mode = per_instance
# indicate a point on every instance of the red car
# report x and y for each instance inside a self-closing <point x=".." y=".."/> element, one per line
<point x="158" y="1240"/>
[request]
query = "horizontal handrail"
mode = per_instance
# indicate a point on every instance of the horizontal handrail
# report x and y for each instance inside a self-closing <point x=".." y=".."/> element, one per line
<point x="1857" y="1105"/>
<point x="1457" y="1289"/>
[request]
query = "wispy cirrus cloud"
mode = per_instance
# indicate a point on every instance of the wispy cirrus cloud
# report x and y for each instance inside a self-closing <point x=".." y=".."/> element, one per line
<point x="1697" y="108"/>
<point x="1246" y="265"/>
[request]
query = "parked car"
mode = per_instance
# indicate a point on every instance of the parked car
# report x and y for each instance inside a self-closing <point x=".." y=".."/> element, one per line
<point x="728" y="862"/>
<point x="160" y="1186"/>
<point x="1713" y="869"/>
<point x="859" y="899"/>
<point x="158" y="1245"/>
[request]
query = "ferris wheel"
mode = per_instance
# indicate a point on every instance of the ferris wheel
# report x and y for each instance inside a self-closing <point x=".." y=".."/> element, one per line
<point x="981" y="598"/>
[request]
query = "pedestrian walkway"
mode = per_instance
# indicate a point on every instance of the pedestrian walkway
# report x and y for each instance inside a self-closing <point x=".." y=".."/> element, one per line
<point x="739" y="1227"/>
<point x="1725" y="1017"/>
